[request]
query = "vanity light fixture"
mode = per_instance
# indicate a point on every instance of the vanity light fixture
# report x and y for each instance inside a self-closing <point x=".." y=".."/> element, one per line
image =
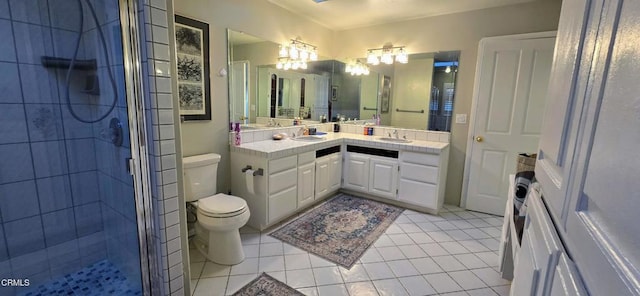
<point x="296" y="54"/>
<point x="357" y="68"/>
<point x="387" y="54"/>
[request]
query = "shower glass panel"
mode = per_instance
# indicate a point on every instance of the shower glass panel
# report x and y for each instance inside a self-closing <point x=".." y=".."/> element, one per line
<point x="67" y="205"/>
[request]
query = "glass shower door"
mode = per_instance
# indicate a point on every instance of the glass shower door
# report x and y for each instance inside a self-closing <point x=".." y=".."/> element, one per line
<point x="68" y="220"/>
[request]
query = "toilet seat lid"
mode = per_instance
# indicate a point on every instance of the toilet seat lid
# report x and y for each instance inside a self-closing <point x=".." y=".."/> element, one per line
<point x="221" y="204"/>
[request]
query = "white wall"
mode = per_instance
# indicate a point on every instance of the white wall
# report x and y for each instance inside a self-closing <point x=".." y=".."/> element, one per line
<point x="258" y="18"/>
<point x="461" y="31"/>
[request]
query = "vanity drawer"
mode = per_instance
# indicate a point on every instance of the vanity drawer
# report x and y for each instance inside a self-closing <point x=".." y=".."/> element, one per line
<point x="307" y="157"/>
<point x="420" y="158"/>
<point x="282" y="180"/>
<point x="420" y="173"/>
<point x="282" y="204"/>
<point x="281" y="164"/>
<point x="418" y="193"/>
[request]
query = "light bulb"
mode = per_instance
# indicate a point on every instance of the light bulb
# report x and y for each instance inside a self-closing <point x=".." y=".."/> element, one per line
<point x="402" y="56"/>
<point x="348" y="69"/>
<point x="303" y="65"/>
<point x="295" y="65"/>
<point x="283" y="53"/>
<point x="313" y="55"/>
<point x="304" y="55"/>
<point x="372" y="58"/>
<point x="287" y="65"/>
<point x="279" y="65"/>
<point x="386" y="58"/>
<point x="294" y="53"/>
<point x="447" y="70"/>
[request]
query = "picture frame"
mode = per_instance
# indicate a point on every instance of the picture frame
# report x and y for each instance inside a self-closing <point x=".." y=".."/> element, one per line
<point x="192" y="53"/>
<point x="385" y="95"/>
<point x="334" y="92"/>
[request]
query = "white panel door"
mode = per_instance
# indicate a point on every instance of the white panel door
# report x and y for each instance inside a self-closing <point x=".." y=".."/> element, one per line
<point x="602" y="232"/>
<point x="356" y="172"/>
<point x="569" y="76"/>
<point x="335" y="170"/>
<point x="322" y="177"/>
<point x="511" y="84"/>
<point x="383" y="177"/>
<point x="306" y="183"/>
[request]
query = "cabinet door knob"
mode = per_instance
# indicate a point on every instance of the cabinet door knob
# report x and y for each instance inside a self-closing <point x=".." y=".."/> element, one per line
<point x="479" y="139"/>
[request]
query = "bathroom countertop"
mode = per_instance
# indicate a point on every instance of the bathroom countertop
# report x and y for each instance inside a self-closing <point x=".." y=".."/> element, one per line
<point x="285" y="147"/>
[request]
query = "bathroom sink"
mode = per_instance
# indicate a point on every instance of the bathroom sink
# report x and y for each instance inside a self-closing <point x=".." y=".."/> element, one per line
<point x="309" y="138"/>
<point x="252" y="126"/>
<point x="395" y="140"/>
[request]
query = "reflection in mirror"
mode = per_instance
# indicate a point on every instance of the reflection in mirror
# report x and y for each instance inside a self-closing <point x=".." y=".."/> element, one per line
<point x="239" y="91"/>
<point x="422" y="92"/>
<point x="445" y="72"/>
<point x="289" y="94"/>
<point x="417" y="95"/>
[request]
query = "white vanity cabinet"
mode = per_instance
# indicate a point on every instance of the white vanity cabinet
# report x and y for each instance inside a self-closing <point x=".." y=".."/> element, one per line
<point x="371" y="170"/>
<point x="422" y="178"/>
<point x="286" y="184"/>
<point x="371" y="174"/>
<point x="299" y="175"/>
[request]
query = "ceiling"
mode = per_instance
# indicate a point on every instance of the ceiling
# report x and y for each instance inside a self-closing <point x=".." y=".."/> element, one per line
<point x="240" y="38"/>
<point x="348" y="14"/>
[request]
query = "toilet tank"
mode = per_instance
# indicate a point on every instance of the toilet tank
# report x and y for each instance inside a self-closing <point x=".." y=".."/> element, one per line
<point x="200" y="175"/>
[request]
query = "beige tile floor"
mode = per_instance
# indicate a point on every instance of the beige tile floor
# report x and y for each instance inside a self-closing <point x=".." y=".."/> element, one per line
<point x="455" y="253"/>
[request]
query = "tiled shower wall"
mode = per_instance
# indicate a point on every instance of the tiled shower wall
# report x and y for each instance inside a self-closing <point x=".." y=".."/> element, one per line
<point x="66" y="199"/>
<point x="156" y="68"/>
<point x="52" y="166"/>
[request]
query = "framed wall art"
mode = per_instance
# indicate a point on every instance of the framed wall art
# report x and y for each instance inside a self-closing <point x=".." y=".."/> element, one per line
<point x="192" y="52"/>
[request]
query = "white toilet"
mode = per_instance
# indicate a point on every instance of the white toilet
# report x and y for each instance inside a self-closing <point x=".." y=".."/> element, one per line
<point x="219" y="215"/>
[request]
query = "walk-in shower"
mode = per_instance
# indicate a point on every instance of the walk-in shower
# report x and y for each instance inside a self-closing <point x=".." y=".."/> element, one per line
<point x="68" y="216"/>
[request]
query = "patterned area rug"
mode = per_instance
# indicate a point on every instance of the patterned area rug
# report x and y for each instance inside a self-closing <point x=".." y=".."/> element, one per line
<point x="341" y="229"/>
<point x="266" y="285"/>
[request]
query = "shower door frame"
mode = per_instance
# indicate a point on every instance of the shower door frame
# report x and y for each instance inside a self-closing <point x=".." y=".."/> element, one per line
<point x="139" y="162"/>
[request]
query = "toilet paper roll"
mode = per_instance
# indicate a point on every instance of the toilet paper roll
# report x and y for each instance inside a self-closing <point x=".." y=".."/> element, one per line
<point x="248" y="176"/>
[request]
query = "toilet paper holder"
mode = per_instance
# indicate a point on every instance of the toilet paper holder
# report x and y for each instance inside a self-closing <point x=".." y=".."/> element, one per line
<point x="258" y="172"/>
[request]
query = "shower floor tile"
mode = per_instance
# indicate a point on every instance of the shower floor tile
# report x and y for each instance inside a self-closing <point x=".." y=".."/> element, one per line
<point x="100" y="278"/>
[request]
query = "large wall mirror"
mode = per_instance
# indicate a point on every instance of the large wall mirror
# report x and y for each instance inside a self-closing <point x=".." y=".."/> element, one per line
<point x="419" y="94"/>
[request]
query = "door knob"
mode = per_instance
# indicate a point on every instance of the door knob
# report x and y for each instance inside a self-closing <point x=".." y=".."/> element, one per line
<point x="479" y="139"/>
